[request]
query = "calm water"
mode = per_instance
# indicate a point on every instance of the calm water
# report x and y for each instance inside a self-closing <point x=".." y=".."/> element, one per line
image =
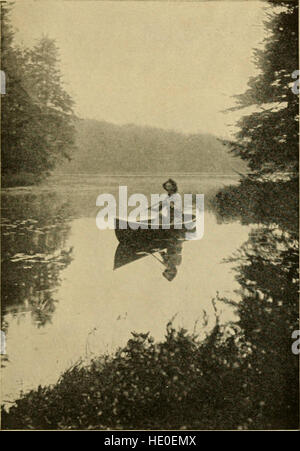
<point x="62" y="300"/>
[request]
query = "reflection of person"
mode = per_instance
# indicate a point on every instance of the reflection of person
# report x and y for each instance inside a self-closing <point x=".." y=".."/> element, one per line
<point x="171" y="259"/>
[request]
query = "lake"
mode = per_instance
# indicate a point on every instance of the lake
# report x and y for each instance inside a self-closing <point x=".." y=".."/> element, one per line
<point x="62" y="299"/>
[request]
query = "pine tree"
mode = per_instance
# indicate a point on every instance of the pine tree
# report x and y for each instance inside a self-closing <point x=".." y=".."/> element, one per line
<point x="36" y="114"/>
<point x="55" y="121"/>
<point x="268" y="137"/>
<point x="17" y="108"/>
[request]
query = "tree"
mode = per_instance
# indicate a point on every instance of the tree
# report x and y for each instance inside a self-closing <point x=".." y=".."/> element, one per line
<point x="37" y="116"/>
<point x="55" y="121"/>
<point x="268" y="137"/>
<point x="16" y="105"/>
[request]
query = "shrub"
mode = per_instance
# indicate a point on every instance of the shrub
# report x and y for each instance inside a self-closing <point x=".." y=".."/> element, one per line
<point x="179" y="383"/>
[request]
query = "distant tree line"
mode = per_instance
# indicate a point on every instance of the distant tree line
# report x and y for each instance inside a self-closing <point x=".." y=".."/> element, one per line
<point x="107" y="148"/>
<point x="37" y="128"/>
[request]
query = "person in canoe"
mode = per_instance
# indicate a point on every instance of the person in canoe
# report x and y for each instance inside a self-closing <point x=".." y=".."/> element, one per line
<point x="171" y="187"/>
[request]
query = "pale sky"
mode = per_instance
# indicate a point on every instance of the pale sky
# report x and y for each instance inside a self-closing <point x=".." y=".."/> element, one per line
<point x="173" y="65"/>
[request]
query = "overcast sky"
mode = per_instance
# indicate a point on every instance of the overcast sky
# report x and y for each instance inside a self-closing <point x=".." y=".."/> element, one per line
<point x="165" y="64"/>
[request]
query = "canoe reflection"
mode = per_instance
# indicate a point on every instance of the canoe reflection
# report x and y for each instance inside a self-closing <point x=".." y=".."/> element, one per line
<point x="167" y="252"/>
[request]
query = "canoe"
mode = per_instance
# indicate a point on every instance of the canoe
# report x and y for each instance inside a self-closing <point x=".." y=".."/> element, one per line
<point x="128" y="232"/>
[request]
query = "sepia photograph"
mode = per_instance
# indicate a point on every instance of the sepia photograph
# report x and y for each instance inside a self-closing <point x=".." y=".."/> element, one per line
<point x="149" y="218"/>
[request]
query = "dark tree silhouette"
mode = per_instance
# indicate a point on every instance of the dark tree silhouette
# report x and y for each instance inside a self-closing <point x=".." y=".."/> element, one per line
<point x="268" y="137"/>
<point x="36" y="114"/>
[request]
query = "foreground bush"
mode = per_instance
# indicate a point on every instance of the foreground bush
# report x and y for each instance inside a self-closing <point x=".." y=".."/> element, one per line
<point x="178" y="383"/>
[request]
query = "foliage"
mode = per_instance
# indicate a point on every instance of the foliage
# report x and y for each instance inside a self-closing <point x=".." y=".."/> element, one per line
<point x="267" y="265"/>
<point x="180" y="382"/>
<point x="107" y="148"/>
<point x="268" y="137"/>
<point x="268" y="273"/>
<point x="171" y="384"/>
<point x="36" y="113"/>
<point x="264" y="202"/>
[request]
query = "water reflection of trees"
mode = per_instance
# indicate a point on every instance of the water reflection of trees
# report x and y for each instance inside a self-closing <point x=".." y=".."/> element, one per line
<point x="34" y="253"/>
<point x="253" y="202"/>
<point x="267" y="270"/>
